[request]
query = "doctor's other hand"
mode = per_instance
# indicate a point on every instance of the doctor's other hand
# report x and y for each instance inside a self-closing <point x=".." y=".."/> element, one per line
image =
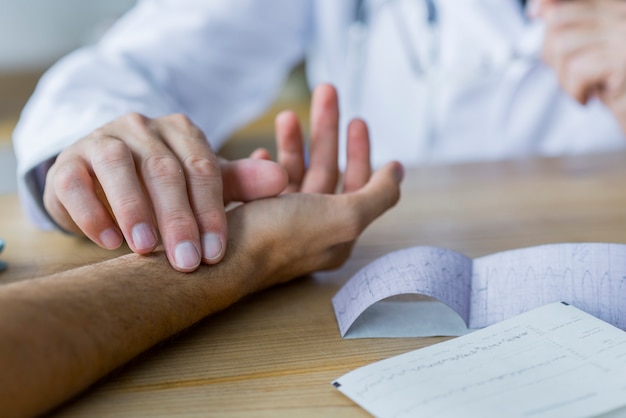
<point x="584" y="43"/>
<point x="138" y="178"/>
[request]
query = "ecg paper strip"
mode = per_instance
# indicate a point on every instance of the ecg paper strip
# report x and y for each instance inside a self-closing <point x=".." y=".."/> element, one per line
<point x="591" y="276"/>
<point x="437" y="272"/>
<point x="551" y="362"/>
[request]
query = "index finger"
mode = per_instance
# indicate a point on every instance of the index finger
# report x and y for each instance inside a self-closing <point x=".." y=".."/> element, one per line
<point x="204" y="188"/>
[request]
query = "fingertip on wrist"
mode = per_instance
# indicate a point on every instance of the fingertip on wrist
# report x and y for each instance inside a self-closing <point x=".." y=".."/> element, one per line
<point x="144" y="238"/>
<point x="186" y="257"/>
<point x="212" y="248"/>
<point x="110" y="239"/>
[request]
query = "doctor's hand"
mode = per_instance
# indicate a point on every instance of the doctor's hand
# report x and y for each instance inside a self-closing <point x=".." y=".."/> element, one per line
<point x="584" y="43"/>
<point x="137" y="178"/>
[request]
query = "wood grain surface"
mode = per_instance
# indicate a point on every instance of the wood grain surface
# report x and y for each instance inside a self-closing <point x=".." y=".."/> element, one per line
<point x="275" y="353"/>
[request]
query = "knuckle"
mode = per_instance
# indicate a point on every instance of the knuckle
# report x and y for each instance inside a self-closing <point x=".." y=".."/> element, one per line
<point x="112" y="153"/>
<point x="68" y="178"/>
<point x="135" y="120"/>
<point x="177" y="222"/>
<point x="184" y="125"/>
<point x="127" y="207"/>
<point x="180" y="119"/>
<point x="210" y="218"/>
<point x="199" y="166"/>
<point x="162" y="166"/>
<point x="137" y="127"/>
<point x="98" y="134"/>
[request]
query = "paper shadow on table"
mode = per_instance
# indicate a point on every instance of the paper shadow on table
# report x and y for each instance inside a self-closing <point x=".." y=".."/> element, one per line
<point x="408" y="316"/>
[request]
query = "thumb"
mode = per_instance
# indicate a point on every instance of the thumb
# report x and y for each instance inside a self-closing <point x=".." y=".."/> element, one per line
<point x="250" y="179"/>
<point x="380" y="193"/>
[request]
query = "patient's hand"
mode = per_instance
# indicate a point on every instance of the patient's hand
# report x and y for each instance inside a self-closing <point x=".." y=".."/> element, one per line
<point x="299" y="233"/>
<point x="315" y="222"/>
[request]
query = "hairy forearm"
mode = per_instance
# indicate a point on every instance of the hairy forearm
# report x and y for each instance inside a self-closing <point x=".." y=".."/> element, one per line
<point x="63" y="332"/>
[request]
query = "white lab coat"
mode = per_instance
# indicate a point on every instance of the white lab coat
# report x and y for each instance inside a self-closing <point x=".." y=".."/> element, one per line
<point x="222" y="61"/>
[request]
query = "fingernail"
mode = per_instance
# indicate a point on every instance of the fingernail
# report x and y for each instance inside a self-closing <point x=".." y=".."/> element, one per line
<point x="186" y="255"/>
<point x="399" y="171"/>
<point x="143" y="237"/>
<point x="110" y="238"/>
<point x="211" y="246"/>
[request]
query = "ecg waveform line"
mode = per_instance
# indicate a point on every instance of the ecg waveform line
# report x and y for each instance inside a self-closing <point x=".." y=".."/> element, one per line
<point x="410" y="276"/>
<point x="491" y="380"/>
<point x="589" y="276"/>
<point x="466" y="354"/>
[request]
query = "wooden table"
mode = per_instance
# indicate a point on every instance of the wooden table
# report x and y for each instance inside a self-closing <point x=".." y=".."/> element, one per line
<point x="276" y="353"/>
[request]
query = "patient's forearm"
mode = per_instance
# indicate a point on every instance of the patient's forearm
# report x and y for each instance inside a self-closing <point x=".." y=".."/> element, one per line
<point x="61" y="333"/>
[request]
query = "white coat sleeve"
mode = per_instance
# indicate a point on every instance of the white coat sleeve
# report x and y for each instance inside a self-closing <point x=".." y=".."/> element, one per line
<point x="220" y="62"/>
